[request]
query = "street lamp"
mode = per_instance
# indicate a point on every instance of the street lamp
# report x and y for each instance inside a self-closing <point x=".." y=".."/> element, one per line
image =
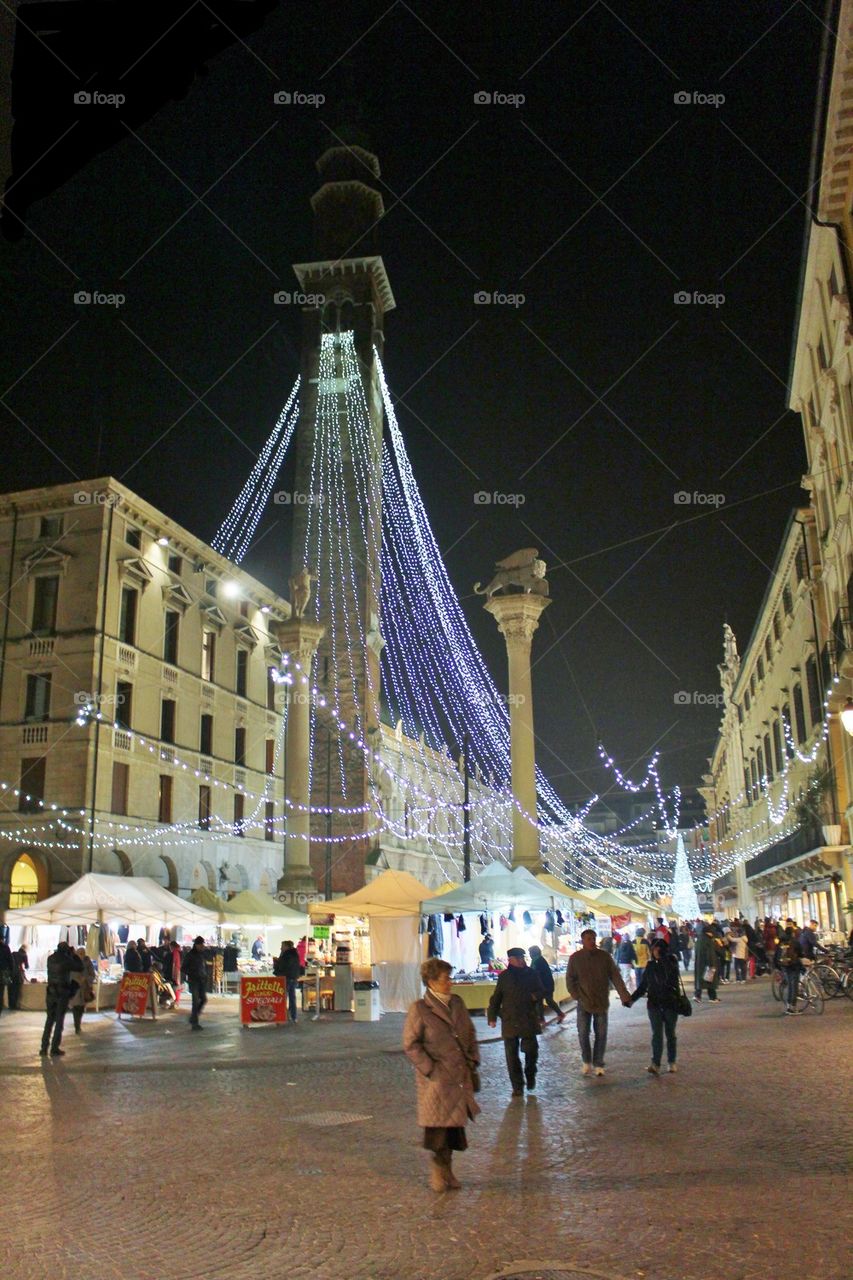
<point x="847" y="716"/>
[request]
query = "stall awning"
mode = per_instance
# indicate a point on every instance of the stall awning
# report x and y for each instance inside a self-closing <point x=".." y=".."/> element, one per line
<point x="491" y="889"/>
<point x="252" y="907"/>
<point x="127" y="899"/>
<point x="391" y="894"/>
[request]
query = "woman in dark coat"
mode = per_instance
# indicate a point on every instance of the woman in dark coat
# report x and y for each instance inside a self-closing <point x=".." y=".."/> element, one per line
<point x="661" y="985"/>
<point x="440" y="1041"/>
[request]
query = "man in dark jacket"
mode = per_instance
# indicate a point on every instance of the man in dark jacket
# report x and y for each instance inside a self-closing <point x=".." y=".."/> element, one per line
<point x="789" y="956"/>
<point x="60" y="965"/>
<point x="286" y="965"/>
<point x="540" y="966"/>
<point x="516" y="1001"/>
<point x="195" y="974"/>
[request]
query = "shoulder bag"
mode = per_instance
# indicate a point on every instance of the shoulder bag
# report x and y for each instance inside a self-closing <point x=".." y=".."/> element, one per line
<point x="685" y="1008"/>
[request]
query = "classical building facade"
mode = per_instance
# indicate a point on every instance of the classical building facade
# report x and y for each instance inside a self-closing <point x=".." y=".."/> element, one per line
<point x="112" y="608"/>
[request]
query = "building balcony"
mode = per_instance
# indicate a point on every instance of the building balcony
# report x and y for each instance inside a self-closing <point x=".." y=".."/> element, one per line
<point x="33" y="735"/>
<point x="42" y="647"/>
<point x="796" y="844"/>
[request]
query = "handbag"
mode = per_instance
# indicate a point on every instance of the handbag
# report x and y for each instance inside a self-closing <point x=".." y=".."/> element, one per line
<point x="709" y="973"/>
<point x="685" y="1008"/>
<point x="475" y="1077"/>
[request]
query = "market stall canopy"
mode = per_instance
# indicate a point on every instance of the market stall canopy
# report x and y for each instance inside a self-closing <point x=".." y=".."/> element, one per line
<point x="391" y="894"/>
<point x="249" y="906"/>
<point x="561" y="890"/>
<point x="493" y="888"/>
<point x="204" y="897"/>
<point x="614" y="902"/>
<point x="127" y="899"/>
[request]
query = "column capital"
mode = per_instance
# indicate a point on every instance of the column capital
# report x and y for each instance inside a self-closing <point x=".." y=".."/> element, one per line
<point x="299" y="638"/>
<point x="517" y="616"/>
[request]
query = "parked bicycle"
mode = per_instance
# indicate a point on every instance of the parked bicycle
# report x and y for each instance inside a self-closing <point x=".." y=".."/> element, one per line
<point x="810" y="998"/>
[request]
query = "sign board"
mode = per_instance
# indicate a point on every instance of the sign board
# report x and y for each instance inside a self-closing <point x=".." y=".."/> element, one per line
<point x="263" y="1001"/>
<point x="134" y="994"/>
<point x="322" y="932"/>
<point x="621" y="922"/>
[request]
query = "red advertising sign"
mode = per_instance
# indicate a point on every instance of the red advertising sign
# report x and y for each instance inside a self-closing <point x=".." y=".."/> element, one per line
<point x="621" y="922"/>
<point x="133" y="994"/>
<point x="263" y="1001"/>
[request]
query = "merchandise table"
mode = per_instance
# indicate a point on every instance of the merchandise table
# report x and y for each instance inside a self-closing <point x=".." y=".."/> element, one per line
<point x="476" y="995"/>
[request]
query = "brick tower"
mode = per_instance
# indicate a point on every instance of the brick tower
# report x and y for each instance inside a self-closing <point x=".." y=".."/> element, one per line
<point x="349" y="276"/>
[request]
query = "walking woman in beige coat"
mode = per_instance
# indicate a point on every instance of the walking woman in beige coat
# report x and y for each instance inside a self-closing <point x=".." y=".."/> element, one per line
<point x="440" y="1041"/>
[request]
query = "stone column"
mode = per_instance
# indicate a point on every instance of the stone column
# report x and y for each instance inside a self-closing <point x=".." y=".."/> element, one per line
<point x="517" y="617"/>
<point x="299" y="639"/>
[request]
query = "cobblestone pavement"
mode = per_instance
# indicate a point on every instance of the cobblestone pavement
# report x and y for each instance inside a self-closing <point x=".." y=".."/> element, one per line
<point x="152" y="1158"/>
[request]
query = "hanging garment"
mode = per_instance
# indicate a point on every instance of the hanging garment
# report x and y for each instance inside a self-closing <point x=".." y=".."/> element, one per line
<point x="528" y="920"/>
<point x="484" y="928"/>
<point x="504" y="922"/>
<point x="435" y="931"/>
<point x="448" y="916"/>
<point x="460" y="925"/>
<point x="511" y="915"/>
<point x="560" y="920"/>
<point x="549" y="920"/>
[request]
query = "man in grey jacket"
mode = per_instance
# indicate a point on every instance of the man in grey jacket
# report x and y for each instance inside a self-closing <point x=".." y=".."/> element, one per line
<point x="516" y="1001"/>
<point x="589" y="977"/>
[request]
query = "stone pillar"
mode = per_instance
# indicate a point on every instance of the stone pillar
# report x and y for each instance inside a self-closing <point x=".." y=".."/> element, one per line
<point x="517" y="617"/>
<point x="299" y="639"/>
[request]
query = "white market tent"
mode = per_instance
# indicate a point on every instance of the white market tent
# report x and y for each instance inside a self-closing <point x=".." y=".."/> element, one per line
<point x="392" y="905"/>
<point x="492" y="889"/>
<point x="252" y="907"/>
<point x="94" y="899"/>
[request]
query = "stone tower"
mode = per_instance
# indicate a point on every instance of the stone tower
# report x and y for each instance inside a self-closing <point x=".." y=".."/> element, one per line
<point x="348" y="277"/>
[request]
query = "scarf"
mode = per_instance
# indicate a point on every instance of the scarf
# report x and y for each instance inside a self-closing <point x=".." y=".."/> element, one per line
<point x="436" y="995"/>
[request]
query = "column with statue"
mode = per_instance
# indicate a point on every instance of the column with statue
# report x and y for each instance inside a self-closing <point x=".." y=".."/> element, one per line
<point x="298" y="638"/>
<point x="517" y="615"/>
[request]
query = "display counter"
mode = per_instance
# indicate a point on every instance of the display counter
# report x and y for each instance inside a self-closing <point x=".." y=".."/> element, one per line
<point x="33" y="997"/>
<point x="476" y="995"/>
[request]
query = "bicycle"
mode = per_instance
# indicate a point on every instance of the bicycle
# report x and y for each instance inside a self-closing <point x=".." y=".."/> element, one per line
<point x="810" y="997"/>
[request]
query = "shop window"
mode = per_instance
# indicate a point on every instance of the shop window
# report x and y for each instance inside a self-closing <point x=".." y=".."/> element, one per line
<point x="242" y="671"/>
<point x="121" y="782"/>
<point x="164" y="804"/>
<point x="208" y="655"/>
<point x="167" y="720"/>
<point x="171" y="628"/>
<point x="205" y="743"/>
<point x="240" y="746"/>
<point x="37" y="704"/>
<point x="269" y="817"/>
<point x="31" y="788"/>
<point x="127" y="615"/>
<point x="239" y="803"/>
<point x="124" y="704"/>
<point x="204" y="808"/>
<point x="45" y="598"/>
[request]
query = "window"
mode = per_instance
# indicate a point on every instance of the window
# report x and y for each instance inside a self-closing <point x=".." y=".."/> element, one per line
<point x="240" y="746"/>
<point x="759" y="669"/>
<point x="832" y="283"/>
<point x="800" y="565"/>
<point x="747" y="701"/>
<point x="45" y="596"/>
<point x="205" y="743"/>
<point x="50" y="527"/>
<point x="787" y="599"/>
<point x="242" y="671"/>
<point x="164" y="804"/>
<point x="777" y="746"/>
<point x="127" y="615"/>
<point x="124" y="704"/>
<point x="239" y="801"/>
<point x="210" y="587"/>
<point x="269" y="815"/>
<point x="814" y="691"/>
<point x="759" y="770"/>
<point x="768" y="759"/>
<point x="204" y="808"/>
<point x="752" y="684"/>
<point x="121" y="780"/>
<point x="777" y="626"/>
<point x="244" y="608"/>
<point x="825" y="668"/>
<point x="768" y="650"/>
<point x="37" y="704"/>
<point x="208" y="654"/>
<point x="786" y="720"/>
<point x="133" y="537"/>
<point x="271" y="688"/>
<point x="740" y="712"/>
<point x="799" y="714"/>
<point x="747" y="791"/>
<point x="821" y="352"/>
<point x="269" y="755"/>
<point x="170" y="636"/>
<point x="176" y="564"/>
<point x="31" y="789"/>
<point x="167" y="720"/>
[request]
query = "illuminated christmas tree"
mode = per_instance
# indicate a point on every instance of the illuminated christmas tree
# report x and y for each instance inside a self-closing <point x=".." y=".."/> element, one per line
<point x="685" y="904"/>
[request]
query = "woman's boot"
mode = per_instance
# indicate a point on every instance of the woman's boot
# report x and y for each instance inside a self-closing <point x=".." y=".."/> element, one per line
<point x="437" y="1174"/>
<point x="453" y="1182"/>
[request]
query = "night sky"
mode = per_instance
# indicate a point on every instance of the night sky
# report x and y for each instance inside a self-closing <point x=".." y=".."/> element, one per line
<point x="596" y="399"/>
